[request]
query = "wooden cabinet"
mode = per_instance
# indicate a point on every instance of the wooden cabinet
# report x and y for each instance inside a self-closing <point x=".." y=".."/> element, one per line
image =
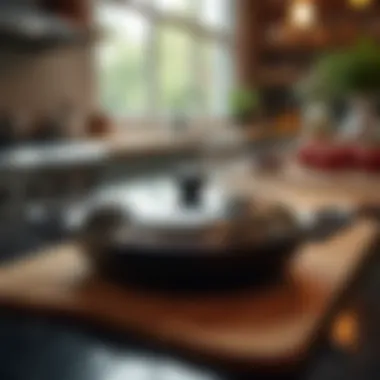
<point x="78" y="11"/>
<point x="274" y="56"/>
<point x="246" y="40"/>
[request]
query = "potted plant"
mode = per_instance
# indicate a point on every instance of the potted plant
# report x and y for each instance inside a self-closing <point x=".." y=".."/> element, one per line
<point x="244" y="105"/>
<point x="351" y="76"/>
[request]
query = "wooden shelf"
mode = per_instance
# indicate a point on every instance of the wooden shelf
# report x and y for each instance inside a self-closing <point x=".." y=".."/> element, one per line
<point x="279" y="76"/>
<point x="332" y="34"/>
<point x="280" y="39"/>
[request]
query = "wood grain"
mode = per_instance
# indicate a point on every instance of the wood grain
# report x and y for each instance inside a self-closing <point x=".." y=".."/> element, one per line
<point x="272" y="325"/>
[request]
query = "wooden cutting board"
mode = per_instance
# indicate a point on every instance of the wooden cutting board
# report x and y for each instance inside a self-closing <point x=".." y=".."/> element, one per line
<point x="271" y="326"/>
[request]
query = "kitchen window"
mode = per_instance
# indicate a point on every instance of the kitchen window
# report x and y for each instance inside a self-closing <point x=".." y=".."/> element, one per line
<point x="165" y="57"/>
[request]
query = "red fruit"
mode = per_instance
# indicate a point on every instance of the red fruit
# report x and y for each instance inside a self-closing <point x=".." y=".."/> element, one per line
<point x="344" y="156"/>
<point x="305" y="155"/>
<point x="368" y="159"/>
<point x="328" y="157"/>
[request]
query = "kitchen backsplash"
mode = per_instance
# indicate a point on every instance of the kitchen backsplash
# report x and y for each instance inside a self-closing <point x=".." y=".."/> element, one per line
<point x="35" y="84"/>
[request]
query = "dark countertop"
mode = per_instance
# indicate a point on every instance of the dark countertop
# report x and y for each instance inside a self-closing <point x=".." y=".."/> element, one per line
<point x="42" y="348"/>
<point x="35" y="347"/>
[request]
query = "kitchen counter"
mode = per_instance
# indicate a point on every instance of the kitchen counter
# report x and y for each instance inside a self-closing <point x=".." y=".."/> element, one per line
<point x="133" y="145"/>
<point x="59" y="279"/>
<point x="82" y="165"/>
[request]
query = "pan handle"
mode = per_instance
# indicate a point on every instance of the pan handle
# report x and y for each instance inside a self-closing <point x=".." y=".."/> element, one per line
<point x="369" y="211"/>
<point x="327" y="223"/>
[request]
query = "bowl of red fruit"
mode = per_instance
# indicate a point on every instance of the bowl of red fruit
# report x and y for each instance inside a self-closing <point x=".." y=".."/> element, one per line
<point x="368" y="158"/>
<point x="327" y="155"/>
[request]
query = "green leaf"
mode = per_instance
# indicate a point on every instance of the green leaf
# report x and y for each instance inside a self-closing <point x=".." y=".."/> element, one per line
<point x="349" y="71"/>
<point x="244" y="101"/>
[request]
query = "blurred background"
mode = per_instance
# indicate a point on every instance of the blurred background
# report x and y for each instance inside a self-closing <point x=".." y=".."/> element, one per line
<point x="173" y="116"/>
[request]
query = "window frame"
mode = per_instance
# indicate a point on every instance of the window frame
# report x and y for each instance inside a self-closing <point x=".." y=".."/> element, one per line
<point x="199" y="31"/>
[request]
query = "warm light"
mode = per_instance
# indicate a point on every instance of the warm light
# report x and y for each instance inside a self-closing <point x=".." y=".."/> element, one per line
<point x="345" y="333"/>
<point x="360" y="3"/>
<point x="302" y="13"/>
